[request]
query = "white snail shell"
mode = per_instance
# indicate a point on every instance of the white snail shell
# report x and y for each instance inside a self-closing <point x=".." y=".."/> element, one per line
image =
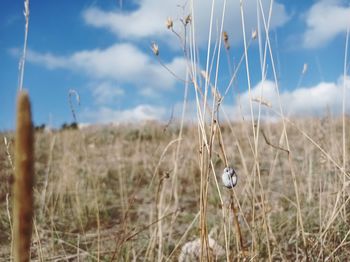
<point x="229" y="177"/>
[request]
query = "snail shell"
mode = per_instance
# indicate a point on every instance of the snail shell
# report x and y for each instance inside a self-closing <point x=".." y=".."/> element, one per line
<point x="229" y="177"/>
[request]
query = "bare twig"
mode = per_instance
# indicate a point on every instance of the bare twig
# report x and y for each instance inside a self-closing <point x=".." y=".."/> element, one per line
<point x="77" y="97"/>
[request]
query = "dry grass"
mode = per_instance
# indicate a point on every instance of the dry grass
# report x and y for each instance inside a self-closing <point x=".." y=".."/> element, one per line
<point x="151" y="192"/>
<point x="109" y="191"/>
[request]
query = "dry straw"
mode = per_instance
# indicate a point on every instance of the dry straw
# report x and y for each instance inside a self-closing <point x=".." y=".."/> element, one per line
<point x="24" y="178"/>
<point x="23" y="58"/>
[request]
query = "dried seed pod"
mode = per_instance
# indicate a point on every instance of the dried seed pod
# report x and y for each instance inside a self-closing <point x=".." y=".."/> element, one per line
<point x="229" y="177"/>
<point x="155" y="49"/>
<point x="188" y="19"/>
<point x="226" y="42"/>
<point x="254" y="34"/>
<point x="169" y="23"/>
<point x="24" y="179"/>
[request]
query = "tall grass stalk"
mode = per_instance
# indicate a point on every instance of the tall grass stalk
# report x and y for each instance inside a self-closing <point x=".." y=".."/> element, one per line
<point x="23" y="58"/>
<point x="202" y="139"/>
<point x="299" y="216"/>
<point x="256" y="129"/>
<point x="344" y="108"/>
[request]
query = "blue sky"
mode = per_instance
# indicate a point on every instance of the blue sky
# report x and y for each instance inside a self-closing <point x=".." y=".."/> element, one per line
<point x="101" y="49"/>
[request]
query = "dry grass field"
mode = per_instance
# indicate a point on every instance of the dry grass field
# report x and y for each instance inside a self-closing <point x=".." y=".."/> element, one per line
<point x="152" y="191"/>
<point x="133" y="193"/>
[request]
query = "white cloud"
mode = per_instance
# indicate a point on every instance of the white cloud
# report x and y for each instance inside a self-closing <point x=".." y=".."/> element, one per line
<point x="122" y="62"/>
<point x="149" y="19"/>
<point x="301" y="102"/>
<point x="325" y="20"/>
<point x="49" y="60"/>
<point x="150" y="93"/>
<point x="312" y="101"/>
<point x="138" y="114"/>
<point x="106" y="92"/>
<point x="233" y="24"/>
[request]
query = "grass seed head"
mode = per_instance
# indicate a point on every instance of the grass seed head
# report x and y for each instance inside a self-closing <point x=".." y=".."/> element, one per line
<point x="254" y="34"/>
<point x="226" y="42"/>
<point x="24" y="179"/>
<point x="188" y="19"/>
<point x="169" y="23"/>
<point x="155" y="49"/>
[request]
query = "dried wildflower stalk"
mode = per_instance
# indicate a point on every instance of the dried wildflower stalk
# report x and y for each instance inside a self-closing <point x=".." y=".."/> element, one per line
<point x="72" y="92"/>
<point x="23" y="58"/>
<point x="239" y="237"/>
<point x="24" y="178"/>
<point x="7" y="145"/>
